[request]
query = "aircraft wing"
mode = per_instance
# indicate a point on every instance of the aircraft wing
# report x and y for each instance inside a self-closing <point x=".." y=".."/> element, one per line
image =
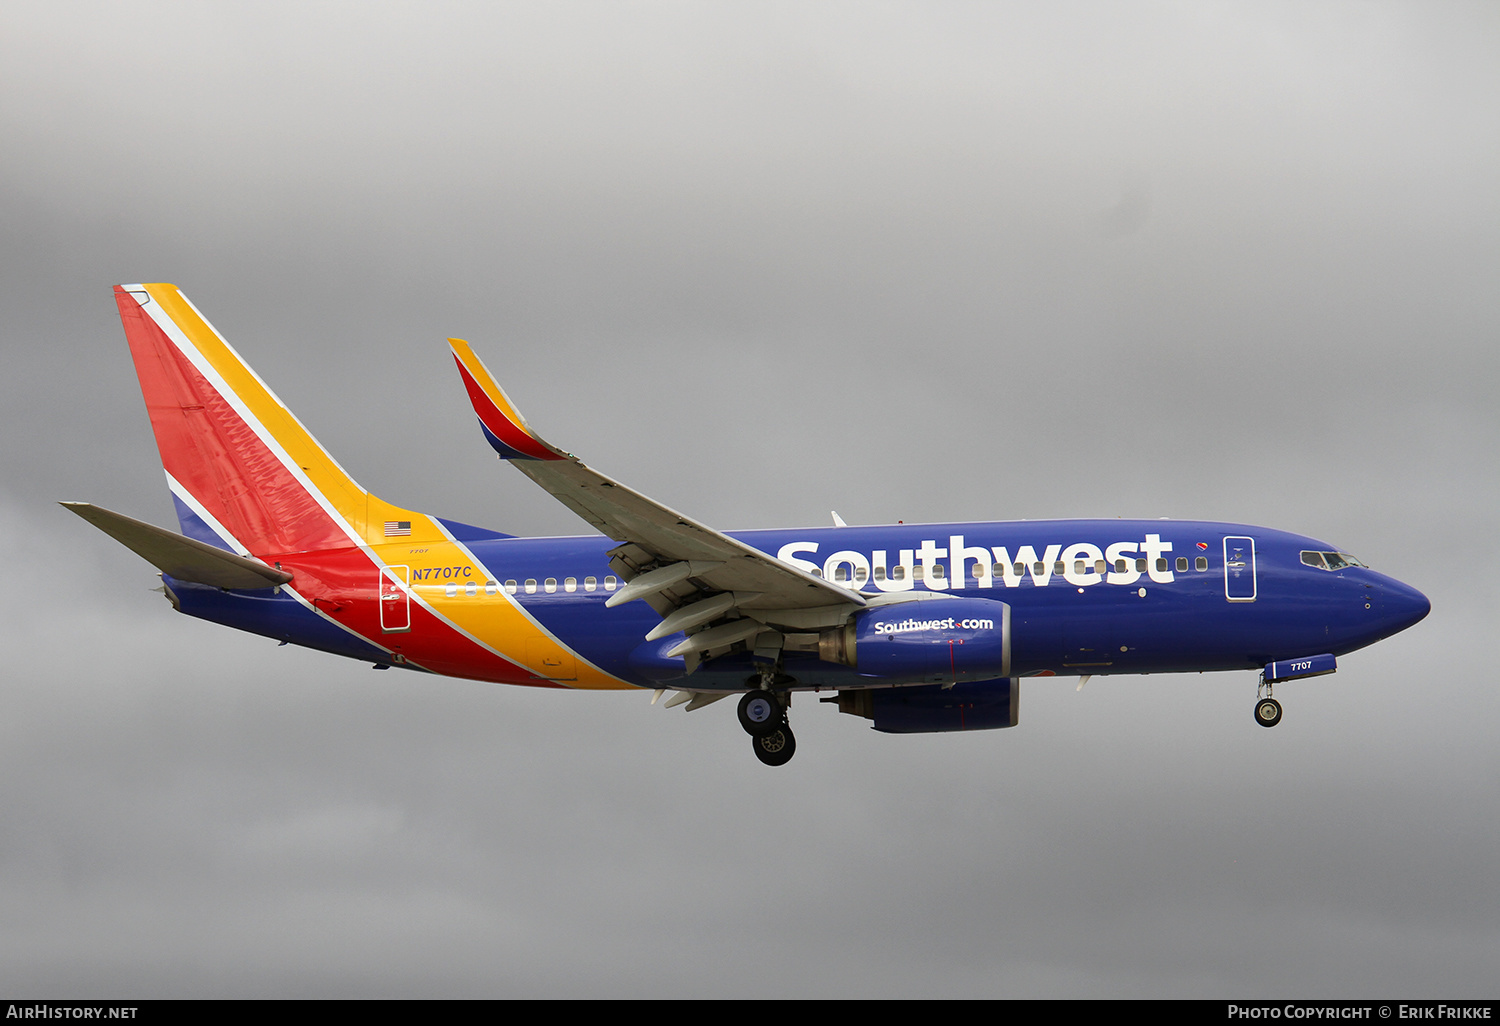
<point x="689" y="573"/>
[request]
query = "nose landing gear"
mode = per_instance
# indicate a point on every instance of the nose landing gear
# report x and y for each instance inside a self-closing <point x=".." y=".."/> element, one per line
<point x="1267" y="709"/>
<point x="1268" y="712"/>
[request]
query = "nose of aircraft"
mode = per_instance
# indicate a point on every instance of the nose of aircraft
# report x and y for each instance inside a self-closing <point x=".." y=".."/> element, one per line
<point x="1397" y="606"/>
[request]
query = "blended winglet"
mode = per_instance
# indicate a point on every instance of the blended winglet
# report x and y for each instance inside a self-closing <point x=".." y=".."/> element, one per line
<point x="503" y="424"/>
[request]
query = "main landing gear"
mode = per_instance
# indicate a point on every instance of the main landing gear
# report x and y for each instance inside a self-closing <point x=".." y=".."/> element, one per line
<point x="763" y="715"/>
<point x="775" y="748"/>
<point x="1267" y="709"/>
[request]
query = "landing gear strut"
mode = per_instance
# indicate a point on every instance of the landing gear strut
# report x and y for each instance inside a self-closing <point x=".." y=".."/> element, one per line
<point x="763" y="715"/>
<point x="1267" y="709"/>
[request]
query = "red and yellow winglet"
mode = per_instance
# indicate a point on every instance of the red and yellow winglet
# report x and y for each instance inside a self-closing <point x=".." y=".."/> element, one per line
<point x="503" y="424"/>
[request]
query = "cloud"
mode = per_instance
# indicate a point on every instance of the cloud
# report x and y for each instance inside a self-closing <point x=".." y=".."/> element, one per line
<point x="937" y="262"/>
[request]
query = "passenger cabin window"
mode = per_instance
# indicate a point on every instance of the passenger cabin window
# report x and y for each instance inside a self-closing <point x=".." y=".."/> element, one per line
<point x="550" y="584"/>
<point x="510" y="587"/>
<point x="491" y="588"/>
<point x="609" y="583"/>
<point x="1202" y="563"/>
<point x="471" y="588"/>
<point x="590" y="583"/>
<point x="1182" y="564"/>
<point x="1119" y="566"/>
<point x="1140" y="566"/>
<point x="451" y="590"/>
<point x="571" y="584"/>
<point x="531" y="585"/>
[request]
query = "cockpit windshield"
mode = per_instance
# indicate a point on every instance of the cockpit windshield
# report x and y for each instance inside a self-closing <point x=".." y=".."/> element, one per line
<point x="1329" y="560"/>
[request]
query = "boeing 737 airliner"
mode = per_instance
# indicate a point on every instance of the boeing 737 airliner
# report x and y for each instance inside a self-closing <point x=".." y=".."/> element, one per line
<point x="916" y="627"/>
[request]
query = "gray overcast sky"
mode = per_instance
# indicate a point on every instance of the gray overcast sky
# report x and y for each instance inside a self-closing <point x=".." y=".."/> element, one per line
<point x="908" y="261"/>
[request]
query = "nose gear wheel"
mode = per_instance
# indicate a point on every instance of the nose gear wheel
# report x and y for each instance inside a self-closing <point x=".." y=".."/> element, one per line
<point x="1267" y="709"/>
<point x="1268" y="712"/>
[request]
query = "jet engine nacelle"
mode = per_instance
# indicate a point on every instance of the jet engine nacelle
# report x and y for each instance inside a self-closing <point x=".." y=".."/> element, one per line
<point x="940" y="640"/>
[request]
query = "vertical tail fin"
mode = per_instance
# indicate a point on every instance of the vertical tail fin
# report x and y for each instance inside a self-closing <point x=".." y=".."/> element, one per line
<point x="244" y="472"/>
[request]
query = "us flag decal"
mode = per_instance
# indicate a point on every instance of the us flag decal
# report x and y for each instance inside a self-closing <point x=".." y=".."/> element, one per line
<point x="398" y="528"/>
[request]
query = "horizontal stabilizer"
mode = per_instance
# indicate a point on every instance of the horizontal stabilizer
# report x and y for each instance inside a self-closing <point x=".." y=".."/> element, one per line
<point x="186" y="559"/>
